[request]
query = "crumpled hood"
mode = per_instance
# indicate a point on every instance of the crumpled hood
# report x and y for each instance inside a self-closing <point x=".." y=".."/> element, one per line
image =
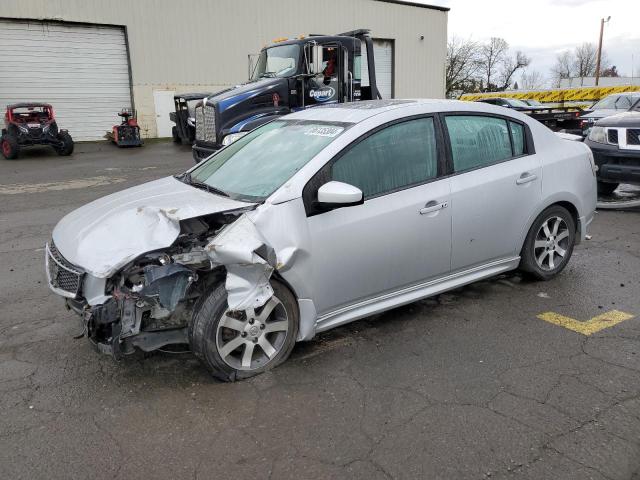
<point x="106" y="234"/>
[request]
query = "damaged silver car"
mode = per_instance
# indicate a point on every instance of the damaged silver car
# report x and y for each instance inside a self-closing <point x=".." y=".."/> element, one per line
<point x="320" y="218"/>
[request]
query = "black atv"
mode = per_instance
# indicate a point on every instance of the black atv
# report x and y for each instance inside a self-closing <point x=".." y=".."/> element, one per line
<point x="29" y="124"/>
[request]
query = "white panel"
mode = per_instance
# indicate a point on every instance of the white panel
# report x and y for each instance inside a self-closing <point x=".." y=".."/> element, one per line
<point x="383" y="56"/>
<point x="81" y="70"/>
<point x="164" y="104"/>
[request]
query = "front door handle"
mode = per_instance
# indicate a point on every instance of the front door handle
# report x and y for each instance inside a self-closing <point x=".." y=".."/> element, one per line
<point x="526" y="178"/>
<point x="433" y="206"/>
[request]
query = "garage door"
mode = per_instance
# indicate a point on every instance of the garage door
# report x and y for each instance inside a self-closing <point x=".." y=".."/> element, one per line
<point x="82" y="70"/>
<point x="383" y="55"/>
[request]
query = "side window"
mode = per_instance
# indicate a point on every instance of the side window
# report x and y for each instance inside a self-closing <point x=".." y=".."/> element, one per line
<point x="477" y="141"/>
<point x="398" y="156"/>
<point x="517" y="134"/>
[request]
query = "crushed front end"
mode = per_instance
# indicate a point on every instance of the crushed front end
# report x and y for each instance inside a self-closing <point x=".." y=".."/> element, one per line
<point x="148" y="303"/>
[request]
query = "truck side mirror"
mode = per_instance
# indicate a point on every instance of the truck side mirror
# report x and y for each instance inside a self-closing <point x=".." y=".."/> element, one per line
<point x="313" y="54"/>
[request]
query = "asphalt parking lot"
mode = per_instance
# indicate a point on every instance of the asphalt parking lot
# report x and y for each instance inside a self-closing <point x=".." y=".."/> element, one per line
<point x="470" y="384"/>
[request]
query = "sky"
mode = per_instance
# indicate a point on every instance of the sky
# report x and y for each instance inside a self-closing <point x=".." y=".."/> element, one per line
<point x="543" y="28"/>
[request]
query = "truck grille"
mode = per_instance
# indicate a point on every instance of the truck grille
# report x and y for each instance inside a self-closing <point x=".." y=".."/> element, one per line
<point x="206" y="123"/>
<point x="633" y="136"/>
<point x="64" y="278"/>
<point x="612" y="136"/>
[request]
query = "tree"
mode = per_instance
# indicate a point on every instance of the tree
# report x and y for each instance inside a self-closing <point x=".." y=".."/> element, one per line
<point x="531" y="80"/>
<point x="563" y="67"/>
<point x="584" y="62"/>
<point x="511" y="65"/>
<point x="610" y="72"/>
<point x="491" y="55"/>
<point x="579" y="63"/>
<point x="461" y="65"/>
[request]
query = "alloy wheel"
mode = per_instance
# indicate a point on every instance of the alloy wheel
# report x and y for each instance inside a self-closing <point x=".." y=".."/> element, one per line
<point x="251" y="339"/>
<point x="551" y="243"/>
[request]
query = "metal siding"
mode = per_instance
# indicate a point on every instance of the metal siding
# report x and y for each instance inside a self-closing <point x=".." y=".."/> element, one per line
<point x="383" y="56"/>
<point x="204" y="45"/>
<point x="81" y="70"/>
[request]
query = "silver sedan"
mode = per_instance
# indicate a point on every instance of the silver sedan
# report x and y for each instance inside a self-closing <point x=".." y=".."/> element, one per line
<point x="317" y="219"/>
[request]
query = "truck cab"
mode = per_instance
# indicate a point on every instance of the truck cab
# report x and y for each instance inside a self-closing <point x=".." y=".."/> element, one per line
<point x="288" y="75"/>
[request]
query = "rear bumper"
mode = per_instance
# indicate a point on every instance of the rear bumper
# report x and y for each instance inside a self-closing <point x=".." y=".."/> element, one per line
<point x="615" y="164"/>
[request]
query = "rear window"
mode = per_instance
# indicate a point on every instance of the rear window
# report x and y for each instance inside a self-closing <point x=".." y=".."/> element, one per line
<point x="478" y="141"/>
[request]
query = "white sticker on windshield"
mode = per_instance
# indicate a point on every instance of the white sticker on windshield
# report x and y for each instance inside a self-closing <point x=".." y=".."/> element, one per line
<point x="323" y="131"/>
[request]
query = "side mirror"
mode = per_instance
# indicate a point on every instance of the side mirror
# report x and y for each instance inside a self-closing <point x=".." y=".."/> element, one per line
<point x="314" y="58"/>
<point x="333" y="195"/>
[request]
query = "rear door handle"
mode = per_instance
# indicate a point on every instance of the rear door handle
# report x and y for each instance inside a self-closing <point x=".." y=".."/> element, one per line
<point x="433" y="206"/>
<point x="526" y="178"/>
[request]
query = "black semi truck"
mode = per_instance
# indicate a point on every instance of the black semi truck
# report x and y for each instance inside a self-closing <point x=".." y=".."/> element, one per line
<point x="289" y="75"/>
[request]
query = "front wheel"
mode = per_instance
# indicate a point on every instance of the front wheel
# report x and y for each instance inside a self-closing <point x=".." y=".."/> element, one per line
<point x="549" y="243"/>
<point x="10" y="147"/>
<point x="66" y="147"/>
<point x="234" y="345"/>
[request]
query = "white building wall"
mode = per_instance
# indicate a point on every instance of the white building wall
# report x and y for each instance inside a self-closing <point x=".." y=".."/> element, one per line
<point x="202" y="45"/>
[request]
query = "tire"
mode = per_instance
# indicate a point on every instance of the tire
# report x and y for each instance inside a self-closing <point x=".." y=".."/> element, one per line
<point x="220" y="341"/>
<point x="67" y="144"/>
<point x="9" y="146"/>
<point x="549" y="244"/>
<point x="606" y="188"/>
<point x="175" y="136"/>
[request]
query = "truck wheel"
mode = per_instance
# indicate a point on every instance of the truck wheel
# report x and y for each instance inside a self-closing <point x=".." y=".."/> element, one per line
<point x="10" y="147"/>
<point x="67" y="144"/>
<point x="606" y="188"/>
<point x="549" y="243"/>
<point x="237" y="345"/>
<point x="174" y="134"/>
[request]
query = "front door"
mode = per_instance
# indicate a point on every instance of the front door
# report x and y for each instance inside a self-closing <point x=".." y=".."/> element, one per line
<point x="496" y="187"/>
<point x="400" y="236"/>
<point x="164" y="104"/>
<point x="324" y="86"/>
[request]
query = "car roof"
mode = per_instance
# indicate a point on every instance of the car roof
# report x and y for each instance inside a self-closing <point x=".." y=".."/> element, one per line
<point x="355" y="112"/>
<point x="28" y="104"/>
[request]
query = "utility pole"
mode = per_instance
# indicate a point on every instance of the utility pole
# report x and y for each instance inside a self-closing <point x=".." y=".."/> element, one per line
<point x="599" y="57"/>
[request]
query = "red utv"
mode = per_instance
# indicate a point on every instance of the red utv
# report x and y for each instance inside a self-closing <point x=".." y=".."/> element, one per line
<point x="32" y="124"/>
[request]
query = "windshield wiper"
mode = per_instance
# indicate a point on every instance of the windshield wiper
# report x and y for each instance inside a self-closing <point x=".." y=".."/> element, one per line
<point x="268" y="74"/>
<point x="186" y="178"/>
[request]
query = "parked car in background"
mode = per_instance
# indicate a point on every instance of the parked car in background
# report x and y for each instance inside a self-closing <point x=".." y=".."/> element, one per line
<point x="564" y="119"/>
<point x="319" y="218"/>
<point x="533" y="103"/>
<point x="513" y="103"/>
<point x="615" y="143"/>
<point x="609" y="105"/>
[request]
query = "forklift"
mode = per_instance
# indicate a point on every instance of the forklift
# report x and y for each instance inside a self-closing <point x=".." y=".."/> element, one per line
<point x="289" y="75"/>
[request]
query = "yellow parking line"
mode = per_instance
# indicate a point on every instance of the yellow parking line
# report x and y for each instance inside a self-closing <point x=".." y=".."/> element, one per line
<point x="600" y="322"/>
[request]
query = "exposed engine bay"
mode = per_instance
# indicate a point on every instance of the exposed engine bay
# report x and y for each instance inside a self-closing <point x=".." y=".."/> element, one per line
<point x="151" y="299"/>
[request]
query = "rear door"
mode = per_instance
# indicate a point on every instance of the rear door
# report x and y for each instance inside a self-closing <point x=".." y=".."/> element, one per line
<point x="496" y="185"/>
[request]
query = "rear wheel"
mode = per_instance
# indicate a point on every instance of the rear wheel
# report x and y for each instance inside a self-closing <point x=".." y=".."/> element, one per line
<point x="234" y="345"/>
<point x="174" y="134"/>
<point x="606" y="188"/>
<point x="67" y="144"/>
<point x="549" y="243"/>
<point x="9" y="146"/>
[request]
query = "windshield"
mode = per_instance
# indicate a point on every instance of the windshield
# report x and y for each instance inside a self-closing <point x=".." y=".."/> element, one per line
<point x="255" y="166"/>
<point x="516" y="103"/>
<point x="616" y="102"/>
<point x="279" y="61"/>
